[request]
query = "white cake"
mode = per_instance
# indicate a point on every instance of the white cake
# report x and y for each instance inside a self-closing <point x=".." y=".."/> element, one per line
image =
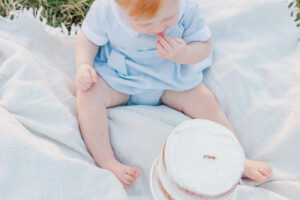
<point x="200" y="160"/>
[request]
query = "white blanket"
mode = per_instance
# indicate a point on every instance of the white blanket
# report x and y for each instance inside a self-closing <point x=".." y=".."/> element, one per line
<point x="255" y="76"/>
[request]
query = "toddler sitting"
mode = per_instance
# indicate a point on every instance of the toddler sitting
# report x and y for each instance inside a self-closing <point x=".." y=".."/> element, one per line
<point x="147" y="52"/>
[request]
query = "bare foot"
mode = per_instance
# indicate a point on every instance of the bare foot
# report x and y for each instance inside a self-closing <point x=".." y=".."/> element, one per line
<point x="127" y="175"/>
<point x="257" y="171"/>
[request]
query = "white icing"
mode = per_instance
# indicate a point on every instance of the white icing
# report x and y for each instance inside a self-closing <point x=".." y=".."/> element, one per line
<point x="184" y="155"/>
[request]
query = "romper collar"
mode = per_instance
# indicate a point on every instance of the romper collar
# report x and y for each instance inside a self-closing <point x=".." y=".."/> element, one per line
<point x="125" y="24"/>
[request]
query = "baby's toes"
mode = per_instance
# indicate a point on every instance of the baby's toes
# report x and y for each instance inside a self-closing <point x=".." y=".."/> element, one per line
<point x="267" y="171"/>
<point x="129" y="178"/>
<point x="125" y="183"/>
<point x="263" y="171"/>
<point x="270" y="171"/>
<point x="125" y="186"/>
<point x="260" y="177"/>
<point x="132" y="172"/>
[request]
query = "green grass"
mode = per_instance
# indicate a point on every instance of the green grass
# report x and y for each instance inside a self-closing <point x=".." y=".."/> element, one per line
<point x="55" y="11"/>
<point x="58" y="11"/>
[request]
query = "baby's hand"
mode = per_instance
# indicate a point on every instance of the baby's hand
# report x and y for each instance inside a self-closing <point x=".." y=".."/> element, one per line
<point x="172" y="48"/>
<point x="85" y="77"/>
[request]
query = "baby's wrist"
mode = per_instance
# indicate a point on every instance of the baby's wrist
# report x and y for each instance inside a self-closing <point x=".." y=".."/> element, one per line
<point x="185" y="56"/>
<point x="82" y="66"/>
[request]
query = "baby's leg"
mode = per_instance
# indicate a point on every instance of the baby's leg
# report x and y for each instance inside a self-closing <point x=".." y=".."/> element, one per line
<point x="200" y="102"/>
<point x="93" y="122"/>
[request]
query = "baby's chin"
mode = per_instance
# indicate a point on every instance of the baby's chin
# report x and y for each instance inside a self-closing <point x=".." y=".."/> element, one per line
<point x="149" y="33"/>
<point x="153" y="33"/>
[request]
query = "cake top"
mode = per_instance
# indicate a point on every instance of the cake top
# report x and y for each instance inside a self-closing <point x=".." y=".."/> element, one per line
<point x="204" y="157"/>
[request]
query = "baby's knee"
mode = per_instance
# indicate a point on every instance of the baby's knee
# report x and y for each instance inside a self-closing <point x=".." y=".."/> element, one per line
<point x="204" y="100"/>
<point x="208" y="98"/>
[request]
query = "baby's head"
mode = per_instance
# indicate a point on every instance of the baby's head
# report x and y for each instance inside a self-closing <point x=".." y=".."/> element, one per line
<point x="150" y="16"/>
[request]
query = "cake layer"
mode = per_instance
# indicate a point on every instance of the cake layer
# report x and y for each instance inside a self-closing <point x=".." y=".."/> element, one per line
<point x="204" y="157"/>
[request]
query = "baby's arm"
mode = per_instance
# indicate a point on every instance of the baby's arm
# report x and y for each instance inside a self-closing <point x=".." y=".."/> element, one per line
<point x="177" y="50"/>
<point x="85" y="53"/>
<point x="85" y="50"/>
<point x="197" y="51"/>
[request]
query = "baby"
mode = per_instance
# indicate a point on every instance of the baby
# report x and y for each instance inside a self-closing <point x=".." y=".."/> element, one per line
<point x="148" y="52"/>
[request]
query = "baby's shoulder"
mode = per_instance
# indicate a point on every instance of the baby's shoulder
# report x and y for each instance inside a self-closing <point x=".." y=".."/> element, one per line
<point x="101" y="3"/>
<point x="190" y="11"/>
<point x="99" y="12"/>
<point x="190" y="7"/>
<point x="101" y="7"/>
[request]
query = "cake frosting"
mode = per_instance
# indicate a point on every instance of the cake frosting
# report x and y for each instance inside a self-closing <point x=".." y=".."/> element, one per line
<point x="200" y="160"/>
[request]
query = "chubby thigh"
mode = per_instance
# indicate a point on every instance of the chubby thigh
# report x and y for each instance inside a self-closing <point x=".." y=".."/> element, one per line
<point x="195" y="102"/>
<point x="101" y="93"/>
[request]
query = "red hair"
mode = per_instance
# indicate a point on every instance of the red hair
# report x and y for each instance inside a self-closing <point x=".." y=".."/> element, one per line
<point x="141" y="9"/>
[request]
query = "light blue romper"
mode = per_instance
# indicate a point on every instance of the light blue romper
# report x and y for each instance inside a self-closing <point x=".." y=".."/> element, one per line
<point x="128" y="61"/>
